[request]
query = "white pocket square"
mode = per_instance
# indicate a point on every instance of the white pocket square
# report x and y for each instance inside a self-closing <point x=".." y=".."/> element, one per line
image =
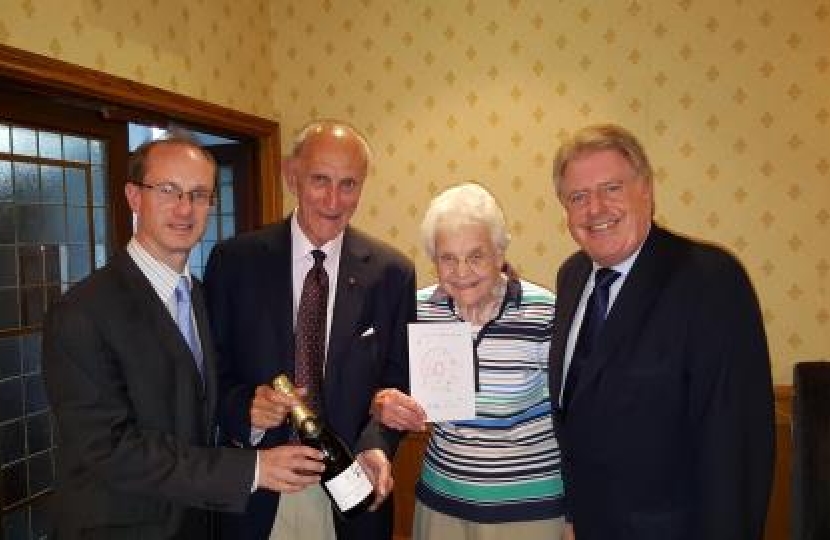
<point x="368" y="332"/>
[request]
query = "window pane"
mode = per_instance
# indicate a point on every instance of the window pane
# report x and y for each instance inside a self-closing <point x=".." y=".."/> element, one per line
<point x="6" y="185"/>
<point x="11" y="398"/>
<point x="7" y="231"/>
<point x="75" y="149"/>
<point x="15" y="484"/>
<point x="41" y="223"/>
<point x="5" y="139"/>
<point x="36" y="403"/>
<point x="9" y="360"/>
<point x="99" y="218"/>
<point x="41" y="473"/>
<point x="8" y="311"/>
<point x="212" y="229"/>
<point x="51" y="183"/>
<point x="225" y="175"/>
<point x="8" y="267"/>
<point x="31" y="265"/>
<point x="12" y="442"/>
<point x="96" y="152"/>
<point x="32" y="302"/>
<point x="77" y="225"/>
<point x="30" y="351"/>
<point x="51" y="263"/>
<point x="228" y="226"/>
<point x="226" y="198"/>
<point x="50" y="145"/>
<point x="26" y="186"/>
<point x="75" y="186"/>
<point x="98" y="186"/>
<point x="24" y="141"/>
<point x="78" y="261"/>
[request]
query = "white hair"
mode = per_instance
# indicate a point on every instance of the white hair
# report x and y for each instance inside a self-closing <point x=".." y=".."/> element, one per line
<point x="465" y="204"/>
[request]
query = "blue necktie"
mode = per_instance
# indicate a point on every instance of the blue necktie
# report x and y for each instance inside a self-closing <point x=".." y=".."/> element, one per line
<point x="184" y="321"/>
<point x="592" y="321"/>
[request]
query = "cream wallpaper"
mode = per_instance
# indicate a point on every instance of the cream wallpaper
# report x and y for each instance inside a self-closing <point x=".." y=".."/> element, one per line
<point x="731" y="99"/>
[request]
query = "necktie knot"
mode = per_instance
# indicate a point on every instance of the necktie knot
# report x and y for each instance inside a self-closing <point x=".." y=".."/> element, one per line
<point x="605" y="277"/>
<point x="319" y="257"/>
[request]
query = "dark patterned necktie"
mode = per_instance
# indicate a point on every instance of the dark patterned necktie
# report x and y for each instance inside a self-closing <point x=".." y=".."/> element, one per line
<point x="592" y="321"/>
<point x="311" y="331"/>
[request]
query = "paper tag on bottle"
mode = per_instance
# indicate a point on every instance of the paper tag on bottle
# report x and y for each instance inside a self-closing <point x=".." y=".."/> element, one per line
<point x="349" y="487"/>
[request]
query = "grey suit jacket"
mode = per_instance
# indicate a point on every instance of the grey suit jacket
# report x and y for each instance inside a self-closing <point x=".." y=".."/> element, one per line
<point x="134" y="450"/>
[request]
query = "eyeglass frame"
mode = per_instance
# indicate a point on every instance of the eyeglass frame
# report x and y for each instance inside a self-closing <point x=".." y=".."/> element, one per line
<point x="166" y="189"/>
<point x="610" y="191"/>
<point x="475" y="262"/>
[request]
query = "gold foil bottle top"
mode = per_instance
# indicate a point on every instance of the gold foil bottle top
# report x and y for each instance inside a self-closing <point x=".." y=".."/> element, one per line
<point x="283" y="384"/>
<point x="301" y="416"/>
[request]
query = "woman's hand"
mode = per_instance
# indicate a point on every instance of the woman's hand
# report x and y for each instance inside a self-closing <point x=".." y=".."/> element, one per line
<point x="396" y="410"/>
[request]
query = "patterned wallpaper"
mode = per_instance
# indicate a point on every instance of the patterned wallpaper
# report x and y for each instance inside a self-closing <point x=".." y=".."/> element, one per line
<point x="731" y="99"/>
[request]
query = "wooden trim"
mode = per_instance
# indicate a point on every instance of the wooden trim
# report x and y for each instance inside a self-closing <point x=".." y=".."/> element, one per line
<point x="52" y="75"/>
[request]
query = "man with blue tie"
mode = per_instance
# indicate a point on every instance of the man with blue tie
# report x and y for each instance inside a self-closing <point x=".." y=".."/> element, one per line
<point x="130" y="374"/>
<point x="659" y="360"/>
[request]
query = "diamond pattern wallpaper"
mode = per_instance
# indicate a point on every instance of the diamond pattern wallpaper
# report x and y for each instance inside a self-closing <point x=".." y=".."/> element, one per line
<point x="731" y="99"/>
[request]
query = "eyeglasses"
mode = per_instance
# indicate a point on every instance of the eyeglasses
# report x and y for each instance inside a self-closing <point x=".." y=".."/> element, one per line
<point x="476" y="262"/>
<point x="606" y="192"/>
<point x="170" y="194"/>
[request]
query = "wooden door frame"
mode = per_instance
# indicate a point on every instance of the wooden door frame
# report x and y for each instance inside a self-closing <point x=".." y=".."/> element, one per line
<point x="132" y="100"/>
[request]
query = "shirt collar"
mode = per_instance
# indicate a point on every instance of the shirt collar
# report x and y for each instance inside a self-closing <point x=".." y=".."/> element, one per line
<point x="301" y="246"/>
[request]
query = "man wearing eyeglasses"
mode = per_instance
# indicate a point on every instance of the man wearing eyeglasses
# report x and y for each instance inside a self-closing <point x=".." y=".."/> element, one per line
<point x="658" y="362"/>
<point x="130" y="374"/>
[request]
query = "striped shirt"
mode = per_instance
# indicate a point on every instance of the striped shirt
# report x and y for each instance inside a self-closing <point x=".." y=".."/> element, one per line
<point x="503" y="465"/>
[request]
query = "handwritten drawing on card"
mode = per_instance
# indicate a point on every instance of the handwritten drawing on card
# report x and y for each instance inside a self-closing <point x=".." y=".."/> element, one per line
<point x="441" y="368"/>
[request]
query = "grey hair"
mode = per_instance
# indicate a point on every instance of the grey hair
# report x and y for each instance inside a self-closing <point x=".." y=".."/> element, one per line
<point x="465" y="204"/>
<point x="328" y="125"/>
<point x="597" y="138"/>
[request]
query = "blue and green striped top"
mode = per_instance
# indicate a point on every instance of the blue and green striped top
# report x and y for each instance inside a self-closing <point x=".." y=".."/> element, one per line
<point x="504" y="464"/>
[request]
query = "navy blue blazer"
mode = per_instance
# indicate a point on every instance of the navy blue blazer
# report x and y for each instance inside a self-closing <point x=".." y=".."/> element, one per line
<point x="250" y="299"/>
<point x="670" y="432"/>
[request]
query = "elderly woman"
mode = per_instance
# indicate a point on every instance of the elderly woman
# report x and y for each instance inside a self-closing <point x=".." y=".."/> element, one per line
<point x="495" y="476"/>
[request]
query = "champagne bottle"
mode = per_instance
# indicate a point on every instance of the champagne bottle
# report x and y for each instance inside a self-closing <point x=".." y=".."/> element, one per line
<point x="343" y="480"/>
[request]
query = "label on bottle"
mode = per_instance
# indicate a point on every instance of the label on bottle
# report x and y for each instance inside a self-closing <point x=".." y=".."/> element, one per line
<point x="349" y="487"/>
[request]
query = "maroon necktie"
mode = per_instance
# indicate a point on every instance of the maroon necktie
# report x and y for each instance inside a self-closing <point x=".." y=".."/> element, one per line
<point x="311" y="331"/>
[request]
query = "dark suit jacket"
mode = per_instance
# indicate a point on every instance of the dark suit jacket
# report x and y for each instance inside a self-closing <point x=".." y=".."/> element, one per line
<point x="250" y="291"/>
<point x="669" y="434"/>
<point x="134" y="456"/>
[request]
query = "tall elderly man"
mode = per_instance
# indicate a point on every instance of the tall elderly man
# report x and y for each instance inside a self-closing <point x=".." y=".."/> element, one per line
<point x="259" y="289"/>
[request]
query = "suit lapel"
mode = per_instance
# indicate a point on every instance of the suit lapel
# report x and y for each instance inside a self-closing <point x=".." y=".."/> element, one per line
<point x="277" y="281"/>
<point x="349" y="298"/>
<point x="569" y="290"/>
<point x="633" y="303"/>
<point x="208" y="352"/>
<point x="161" y="327"/>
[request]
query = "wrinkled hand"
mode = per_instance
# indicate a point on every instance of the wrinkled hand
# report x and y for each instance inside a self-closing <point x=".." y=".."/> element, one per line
<point x="396" y="410"/>
<point x="379" y="471"/>
<point x="270" y="407"/>
<point x="289" y="468"/>
<point x="568" y="532"/>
